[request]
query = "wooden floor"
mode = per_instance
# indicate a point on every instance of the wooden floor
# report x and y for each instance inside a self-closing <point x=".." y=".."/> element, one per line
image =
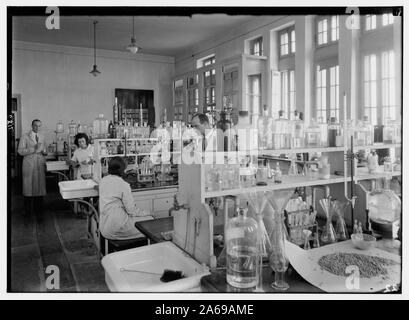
<point x="57" y="238"/>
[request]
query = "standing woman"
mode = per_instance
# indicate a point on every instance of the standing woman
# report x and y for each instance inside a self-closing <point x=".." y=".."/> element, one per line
<point x="82" y="158"/>
<point x="32" y="148"/>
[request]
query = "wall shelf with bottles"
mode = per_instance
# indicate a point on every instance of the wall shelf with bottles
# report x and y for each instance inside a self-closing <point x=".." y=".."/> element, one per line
<point x="301" y="150"/>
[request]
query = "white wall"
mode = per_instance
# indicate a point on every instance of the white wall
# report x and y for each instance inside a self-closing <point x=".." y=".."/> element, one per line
<point x="55" y="83"/>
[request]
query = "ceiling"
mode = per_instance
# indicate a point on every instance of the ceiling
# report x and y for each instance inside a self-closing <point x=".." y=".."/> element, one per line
<point x="161" y="35"/>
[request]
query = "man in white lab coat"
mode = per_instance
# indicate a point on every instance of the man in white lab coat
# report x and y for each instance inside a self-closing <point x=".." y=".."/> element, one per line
<point x="32" y="148"/>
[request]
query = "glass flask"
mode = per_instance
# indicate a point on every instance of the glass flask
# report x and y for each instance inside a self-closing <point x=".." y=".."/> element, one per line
<point x="242" y="242"/>
<point x="265" y="133"/>
<point x="298" y="131"/>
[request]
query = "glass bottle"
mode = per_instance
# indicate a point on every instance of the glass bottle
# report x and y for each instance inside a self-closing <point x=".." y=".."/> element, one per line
<point x="323" y="132"/>
<point x="120" y="131"/>
<point x="281" y="132"/>
<point x="388" y="132"/>
<point x="369" y="129"/>
<point x="333" y="132"/>
<point x="224" y="124"/>
<point x="60" y="127"/>
<point x="298" y="131"/>
<point x="120" y="148"/>
<point x="242" y="246"/>
<point x="277" y="173"/>
<point x="72" y="128"/>
<point x="265" y="133"/>
<point x="360" y="134"/>
<point x="312" y="135"/>
<point x="111" y="130"/>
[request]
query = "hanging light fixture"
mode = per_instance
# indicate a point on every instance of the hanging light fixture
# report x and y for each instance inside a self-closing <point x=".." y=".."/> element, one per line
<point x="94" y="70"/>
<point x="133" y="47"/>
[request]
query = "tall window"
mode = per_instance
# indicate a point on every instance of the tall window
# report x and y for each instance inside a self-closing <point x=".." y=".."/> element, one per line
<point x="284" y="44"/>
<point x="370" y="22"/>
<point x="334" y="92"/>
<point x="287" y="94"/>
<point x="178" y="99"/>
<point x="370" y="107"/>
<point x="287" y="41"/>
<point x="327" y="29"/>
<point x="209" y="90"/>
<point x="387" y="19"/>
<point x="192" y="95"/>
<point x="388" y="86"/>
<point x="256" y="46"/>
<point x="322" y="32"/>
<point x="254" y="96"/>
<point x="334" y="28"/>
<point x="321" y="93"/>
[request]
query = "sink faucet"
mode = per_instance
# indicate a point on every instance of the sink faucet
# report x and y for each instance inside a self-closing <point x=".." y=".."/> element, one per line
<point x="177" y="206"/>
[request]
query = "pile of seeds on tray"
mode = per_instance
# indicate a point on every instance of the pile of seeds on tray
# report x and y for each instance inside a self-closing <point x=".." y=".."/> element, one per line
<point x="369" y="266"/>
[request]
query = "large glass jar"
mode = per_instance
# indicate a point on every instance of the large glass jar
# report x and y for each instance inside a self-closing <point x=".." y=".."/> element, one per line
<point x="369" y="128"/>
<point x="313" y="135"/>
<point x="282" y="132"/>
<point x="242" y="247"/>
<point x="323" y="132"/>
<point x="101" y="127"/>
<point x="384" y="212"/>
<point x="392" y="132"/>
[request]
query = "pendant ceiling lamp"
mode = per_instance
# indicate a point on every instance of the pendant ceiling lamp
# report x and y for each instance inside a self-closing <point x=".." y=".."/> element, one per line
<point x="94" y="70"/>
<point x="133" y="47"/>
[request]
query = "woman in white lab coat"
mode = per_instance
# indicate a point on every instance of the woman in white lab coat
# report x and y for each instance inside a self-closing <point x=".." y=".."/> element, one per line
<point x="82" y="157"/>
<point x="32" y="148"/>
<point x="118" y="212"/>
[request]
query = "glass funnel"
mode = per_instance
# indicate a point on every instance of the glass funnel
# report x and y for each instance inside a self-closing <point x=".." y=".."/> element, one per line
<point x="257" y="202"/>
<point x="277" y="258"/>
<point x="340" y="226"/>
<point x="328" y="234"/>
<point x="277" y="201"/>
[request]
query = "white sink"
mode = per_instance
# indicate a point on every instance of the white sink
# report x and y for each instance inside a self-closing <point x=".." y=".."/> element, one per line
<point x="78" y="189"/>
<point x="153" y="258"/>
<point x="56" y="166"/>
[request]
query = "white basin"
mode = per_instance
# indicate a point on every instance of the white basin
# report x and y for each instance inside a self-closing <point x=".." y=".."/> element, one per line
<point x="56" y="166"/>
<point x="153" y="258"/>
<point x="78" y="189"/>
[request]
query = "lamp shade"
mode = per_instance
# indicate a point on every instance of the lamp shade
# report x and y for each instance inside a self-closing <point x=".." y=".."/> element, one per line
<point x="133" y="47"/>
<point x="95" y="71"/>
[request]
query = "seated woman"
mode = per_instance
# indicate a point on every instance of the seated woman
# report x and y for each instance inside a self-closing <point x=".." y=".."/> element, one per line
<point x="82" y="157"/>
<point x="118" y="212"/>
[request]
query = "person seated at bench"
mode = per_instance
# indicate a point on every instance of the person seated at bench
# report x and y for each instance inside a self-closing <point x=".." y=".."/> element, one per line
<point x="118" y="212"/>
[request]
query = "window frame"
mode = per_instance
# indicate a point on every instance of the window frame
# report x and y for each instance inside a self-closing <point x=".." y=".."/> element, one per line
<point x="330" y="41"/>
<point x="287" y="31"/>
<point x="252" y="43"/>
<point x="326" y="65"/>
<point x="379" y="23"/>
<point x="379" y="108"/>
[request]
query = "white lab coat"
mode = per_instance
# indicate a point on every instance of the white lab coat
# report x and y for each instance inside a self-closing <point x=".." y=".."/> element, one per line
<point x="81" y="155"/>
<point x="33" y="165"/>
<point x="118" y="212"/>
